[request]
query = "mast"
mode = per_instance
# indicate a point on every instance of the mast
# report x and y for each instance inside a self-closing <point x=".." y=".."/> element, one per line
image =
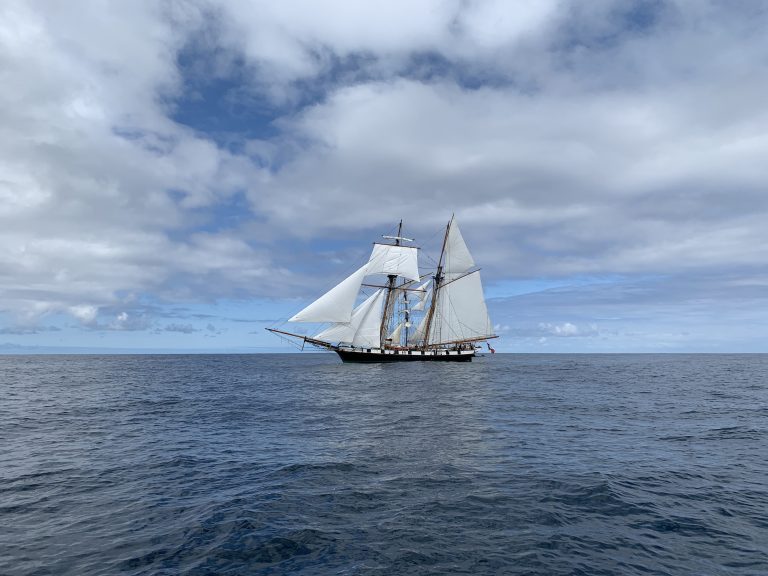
<point x="407" y="316"/>
<point x="388" y="305"/>
<point x="438" y="278"/>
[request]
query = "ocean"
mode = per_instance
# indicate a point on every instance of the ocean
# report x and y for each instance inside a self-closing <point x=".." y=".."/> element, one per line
<point x="298" y="464"/>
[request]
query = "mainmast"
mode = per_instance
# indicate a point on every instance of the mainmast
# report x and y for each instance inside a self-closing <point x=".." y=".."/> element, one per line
<point x="437" y="280"/>
<point x="406" y="316"/>
<point x="389" y="302"/>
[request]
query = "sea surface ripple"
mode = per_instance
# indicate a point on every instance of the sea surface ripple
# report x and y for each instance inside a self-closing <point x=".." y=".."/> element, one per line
<point x="297" y="464"/>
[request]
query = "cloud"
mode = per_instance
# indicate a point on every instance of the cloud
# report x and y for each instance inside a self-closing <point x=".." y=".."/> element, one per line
<point x="673" y="313"/>
<point x="122" y="321"/>
<point x="86" y="314"/>
<point x="100" y="189"/>
<point x="192" y="152"/>
<point x="291" y="48"/>
<point x="568" y="330"/>
<point x="28" y="330"/>
<point x="182" y="328"/>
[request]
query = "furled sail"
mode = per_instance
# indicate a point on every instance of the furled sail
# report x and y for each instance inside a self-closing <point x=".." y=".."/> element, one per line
<point x="398" y="260"/>
<point x="345" y="331"/>
<point x="456" y="258"/>
<point x="461" y="313"/>
<point x="336" y="304"/>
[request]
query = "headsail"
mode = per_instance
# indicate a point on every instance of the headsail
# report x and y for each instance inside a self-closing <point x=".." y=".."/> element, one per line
<point x="367" y="334"/>
<point x="394" y="336"/>
<point x="336" y="304"/>
<point x="345" y="331"/>
<point x="419" y="306"/>
<point x="418" y="335"/>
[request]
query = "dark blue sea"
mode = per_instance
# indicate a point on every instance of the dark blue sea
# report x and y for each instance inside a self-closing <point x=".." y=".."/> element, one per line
<point x="298" y="464"/>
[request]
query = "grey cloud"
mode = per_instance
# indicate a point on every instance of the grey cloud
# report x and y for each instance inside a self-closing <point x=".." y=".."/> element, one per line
<point x="122" y="321"/>
<point x="182" y="328"/>
<point x="28" y="330"/>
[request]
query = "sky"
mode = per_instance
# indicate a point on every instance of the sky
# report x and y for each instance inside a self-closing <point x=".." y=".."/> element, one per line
<point x="178" y="175"/>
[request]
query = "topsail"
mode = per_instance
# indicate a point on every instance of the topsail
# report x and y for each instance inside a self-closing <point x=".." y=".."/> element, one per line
<point x="397" y="260"/>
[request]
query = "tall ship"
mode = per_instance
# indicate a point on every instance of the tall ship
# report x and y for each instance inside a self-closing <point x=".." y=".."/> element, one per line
<point x="405" y="315"/>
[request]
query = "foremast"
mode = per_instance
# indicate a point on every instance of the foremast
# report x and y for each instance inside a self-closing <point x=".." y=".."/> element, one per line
<point x="386" y="317"/>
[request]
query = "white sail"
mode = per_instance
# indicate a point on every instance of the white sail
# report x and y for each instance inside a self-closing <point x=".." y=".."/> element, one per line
<point x="336" y="304"/>
<point x="456" y="259"/>
<point x="417" y="337"/>
<point x="461" y="313"/>
<point x="345" y="331"/>
<point x="419" y="306"/>
<point x="421" y="294"/>
<point x="394" y="336"/>
<point x="368" y="334"/>
<point x="398" y="260"/>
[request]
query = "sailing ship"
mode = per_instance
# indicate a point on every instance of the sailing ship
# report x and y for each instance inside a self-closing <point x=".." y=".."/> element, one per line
<point x="438" y="316"/>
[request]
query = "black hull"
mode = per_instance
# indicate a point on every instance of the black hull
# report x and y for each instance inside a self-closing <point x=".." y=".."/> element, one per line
<point x="371" y="357"/>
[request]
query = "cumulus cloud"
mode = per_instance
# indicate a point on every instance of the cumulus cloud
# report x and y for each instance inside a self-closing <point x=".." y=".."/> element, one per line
<point x="98" y="184"/>
<point x="568" y="330"/>
<point x="605" y="138"/>
<point x="122" y="321"/>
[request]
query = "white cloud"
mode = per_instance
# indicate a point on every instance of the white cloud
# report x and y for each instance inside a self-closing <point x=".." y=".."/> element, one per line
<point x="295" y="40"/>
<point x="89" y="157"/>
<point x="84" y="313"/>
<point x="568" y="330"/>
<point x="564" y="175"/>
